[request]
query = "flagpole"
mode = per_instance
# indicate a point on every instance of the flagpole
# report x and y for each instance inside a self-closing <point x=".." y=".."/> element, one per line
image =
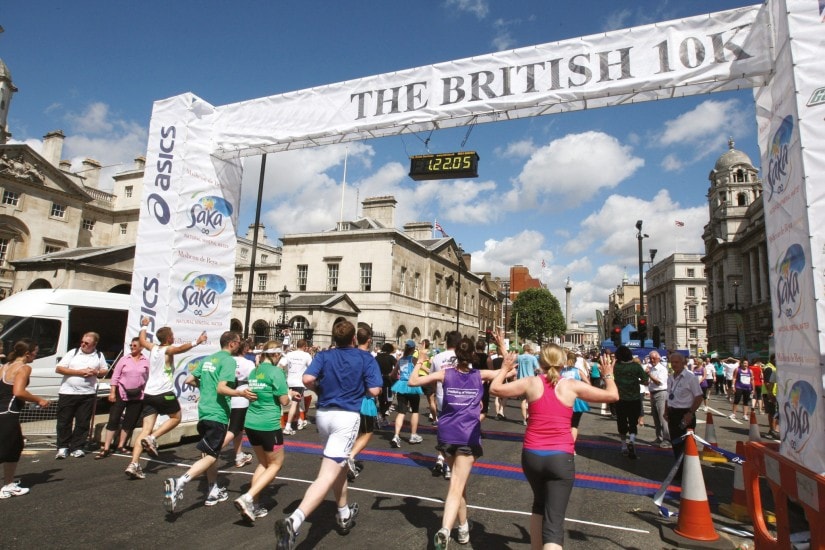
<point x="343" y="186"/>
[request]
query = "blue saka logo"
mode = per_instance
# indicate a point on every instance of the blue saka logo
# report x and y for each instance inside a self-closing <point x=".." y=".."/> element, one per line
<point x="200" y="294"/>
<point x="787" y="285"/>
<point x="209" y="215"/>
<point x="778" y="157"/>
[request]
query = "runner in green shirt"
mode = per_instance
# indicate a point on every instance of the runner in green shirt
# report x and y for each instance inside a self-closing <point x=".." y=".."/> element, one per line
<point x="263" y="427"/>
<point x="215" y="378"/>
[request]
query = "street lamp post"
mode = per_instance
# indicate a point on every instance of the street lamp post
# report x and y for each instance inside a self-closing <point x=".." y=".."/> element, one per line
<point x="284" y="297"/>
<point x="687" y="330"/>
<point x="735" y="285"/>
<point x="641" y="236"/>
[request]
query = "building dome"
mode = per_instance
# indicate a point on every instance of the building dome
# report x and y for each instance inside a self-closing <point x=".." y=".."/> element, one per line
<point x="732" y="158"/>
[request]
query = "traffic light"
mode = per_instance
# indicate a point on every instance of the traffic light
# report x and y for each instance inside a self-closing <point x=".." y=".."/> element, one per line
<point x="489" y="335"/>
<point x="642" y="330"/>
<point x="616" y="335"/>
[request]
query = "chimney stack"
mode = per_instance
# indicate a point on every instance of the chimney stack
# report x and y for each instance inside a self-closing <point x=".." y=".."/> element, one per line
<point x="53" y="147"/>
<point x="91" y="173"/>
<point x="380" y="209"/>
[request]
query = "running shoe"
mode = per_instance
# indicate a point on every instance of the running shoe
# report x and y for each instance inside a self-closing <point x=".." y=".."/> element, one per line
<point x="288" y="430"/>
<point x="302" y="424"/>
<point x="624" y="449"/>
<point x="285" y="534"/>
<point x="61" y="454"/>
<point x="448" y="473"/>
<point x="395" y="442"/>
<point x="13" y="490"/>
<point x="346" y="525"/>
<point x="438" y="469"/>
<point x="216" y="496"/>
<point x="242" y="460"/>
<point x="246" y="507"/>
<point x="77" y="453"/>
<point x="260" y="512"/>
<point x="352" y="470"/>
<point x="150" y="445"/>
<point x="631" y="450"/>
<point x="442" y="539"/>
<point x="463" y="534"/>
<point x="415" y="438"/>
<point x="172" y="494"/>
<point x="134" y="471"/>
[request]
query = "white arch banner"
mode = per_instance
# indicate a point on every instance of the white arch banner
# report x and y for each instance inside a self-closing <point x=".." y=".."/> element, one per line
<point x="184" y="263"/>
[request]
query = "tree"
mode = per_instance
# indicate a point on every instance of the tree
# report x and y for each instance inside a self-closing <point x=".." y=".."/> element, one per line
<point x="539" y="315"/>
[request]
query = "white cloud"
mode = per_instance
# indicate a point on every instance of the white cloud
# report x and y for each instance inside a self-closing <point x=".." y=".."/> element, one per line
<point x="479" y="8"/>
<point x="498" y="256"/>
<point x="672" y="163"/>
<point x="574" y="169"/>
<point x="517" y="149"/>
<point x="503" y="37"/>
<point x="707" y="125"/>
<point x="94" y="120"/>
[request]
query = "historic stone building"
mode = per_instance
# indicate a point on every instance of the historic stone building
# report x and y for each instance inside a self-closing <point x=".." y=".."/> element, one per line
<point x="739" y="318"/>
<point x="676" y="297"/>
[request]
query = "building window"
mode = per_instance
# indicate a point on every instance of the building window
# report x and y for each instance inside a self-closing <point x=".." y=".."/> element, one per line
<point x="691" y="313"/>
<point x="332" y="277"/>
<point x="238" y="282"/>
<point x="417" y="285"/>
<point x="691" y="292"/>
<point x="88" y="224"/>
<point x="58" y="210"/>
<point x="366" y="277"/>
<point x="437" y="289"/>
<point x="302" y="277"/>
<point x="694" y="333"/>
<point x="264" y="258"/>
<point x="4" y="249"/>
<point x="402" y="287"/>
<point x="691" y="273"/>
<point x="11" y="198"/>
<point x="261" y="282"/>
<point x="129" y="190"/>
<point x="244" y="253"/>
<point x="51" y="249"/>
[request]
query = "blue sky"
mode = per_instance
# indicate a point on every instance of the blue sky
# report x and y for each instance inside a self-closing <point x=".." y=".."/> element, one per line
<point x="565" y="189"/>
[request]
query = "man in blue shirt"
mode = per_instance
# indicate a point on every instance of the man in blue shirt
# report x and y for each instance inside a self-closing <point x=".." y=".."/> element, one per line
<point x="341" y="376"/>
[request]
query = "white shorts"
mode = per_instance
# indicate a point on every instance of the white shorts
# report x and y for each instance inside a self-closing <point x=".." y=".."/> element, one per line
<point x="338" y="430"/>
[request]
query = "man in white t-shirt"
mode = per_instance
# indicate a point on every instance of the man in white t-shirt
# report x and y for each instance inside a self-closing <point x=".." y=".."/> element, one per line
<point x="297" y="362"/>
<point x="159" y="394"/>
<point x="80" y="368"/>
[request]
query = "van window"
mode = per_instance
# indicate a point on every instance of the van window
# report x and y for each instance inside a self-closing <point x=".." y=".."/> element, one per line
<point x="45" y="332"/>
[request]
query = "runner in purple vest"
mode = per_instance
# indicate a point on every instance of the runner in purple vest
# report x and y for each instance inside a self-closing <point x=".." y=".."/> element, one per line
<point x="459" y="431"/>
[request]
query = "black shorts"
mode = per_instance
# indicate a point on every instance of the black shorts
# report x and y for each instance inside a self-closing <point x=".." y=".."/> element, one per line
<point x="12" y="437"/>
<point x="744" y="395"/>
<point x="236" y="420"/>
<point x="266" y="439"/>
<point x="212" y="435"/>
<point x="165" y="403"/>
<point x="408" y="402"/>
<point x="428" y="390"/>
<point x="367" y="425"/>
<point x="467" y="450"/>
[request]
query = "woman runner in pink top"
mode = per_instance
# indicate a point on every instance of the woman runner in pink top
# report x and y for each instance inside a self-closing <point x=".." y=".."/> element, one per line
<point x="547" y="456"/>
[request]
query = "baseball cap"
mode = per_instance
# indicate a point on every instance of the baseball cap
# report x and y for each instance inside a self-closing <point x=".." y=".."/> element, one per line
<point x="410" y="343"/>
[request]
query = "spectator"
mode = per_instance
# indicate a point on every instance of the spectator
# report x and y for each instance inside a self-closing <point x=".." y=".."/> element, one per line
<point x="126" y="395"/>
<point x="76" y="397"/>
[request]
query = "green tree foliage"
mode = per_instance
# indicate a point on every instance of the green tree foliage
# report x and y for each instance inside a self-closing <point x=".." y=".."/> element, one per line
<point x="537" y="315"/>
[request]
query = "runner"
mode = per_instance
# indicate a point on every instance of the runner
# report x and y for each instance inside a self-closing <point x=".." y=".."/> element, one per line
<point x="340" y="376"/>
<point x="408" y="398"/>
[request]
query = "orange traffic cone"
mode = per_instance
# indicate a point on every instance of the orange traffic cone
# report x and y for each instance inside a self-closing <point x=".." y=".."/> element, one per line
<point x="709" y="454"/>
<point x="695" y="522"/>
<point x="738" y="507"/>
<point x="753" y="430"/>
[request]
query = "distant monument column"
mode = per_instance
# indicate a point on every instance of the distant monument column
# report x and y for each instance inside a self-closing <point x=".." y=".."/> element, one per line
<point x="567" y="289"/>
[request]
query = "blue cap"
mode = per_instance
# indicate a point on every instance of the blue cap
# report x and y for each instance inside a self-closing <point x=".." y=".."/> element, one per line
<point x="410" y="343"/>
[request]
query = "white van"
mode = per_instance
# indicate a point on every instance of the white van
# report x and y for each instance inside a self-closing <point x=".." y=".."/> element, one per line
<point x="56" y="320"/>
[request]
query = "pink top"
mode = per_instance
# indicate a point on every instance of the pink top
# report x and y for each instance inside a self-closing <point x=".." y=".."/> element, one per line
<point x="130" y="373"/>
<point x="548" y="426"/>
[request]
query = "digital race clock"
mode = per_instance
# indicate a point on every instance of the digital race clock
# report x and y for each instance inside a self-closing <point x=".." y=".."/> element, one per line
<point x="444" y="166"/>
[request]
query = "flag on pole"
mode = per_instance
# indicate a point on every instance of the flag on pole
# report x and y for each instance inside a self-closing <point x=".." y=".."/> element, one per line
<point x="679" y="223"/>
<point x="543" y="264"/>
<point x="441" y="229"/>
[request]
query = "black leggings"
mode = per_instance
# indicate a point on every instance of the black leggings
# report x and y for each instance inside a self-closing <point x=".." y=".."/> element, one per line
<point x="627" y="416"/>
<point x="551" y="478"/>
